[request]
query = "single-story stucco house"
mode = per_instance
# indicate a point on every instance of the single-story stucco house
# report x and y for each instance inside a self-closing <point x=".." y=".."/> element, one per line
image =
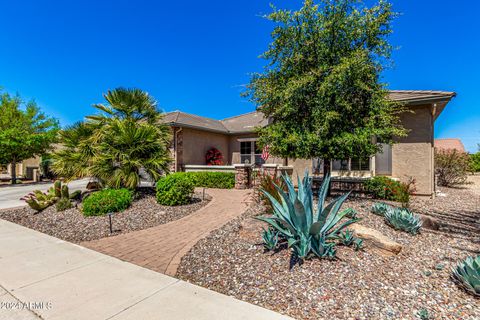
<point x="24" y="169"/>
<point x="410" y="157"/>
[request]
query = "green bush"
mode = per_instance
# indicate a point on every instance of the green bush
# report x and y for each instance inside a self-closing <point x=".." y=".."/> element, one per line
<point x="475" y="162"/>
<point x="388" y="189"/>
<point x="205" y="179"/>
<point x="175" y="189"/>
<point x="105" y="201"/>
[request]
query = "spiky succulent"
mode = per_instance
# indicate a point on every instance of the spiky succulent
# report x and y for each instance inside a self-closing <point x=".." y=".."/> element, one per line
<point x="467" y="275"/>
<point x="39" y="201"/>
<point x="307" y="230"/>
<point x="270" y="238"/>
<point x="403" y="219"/>
<point x="380" y="208"/>
<point x="347" y="238"/>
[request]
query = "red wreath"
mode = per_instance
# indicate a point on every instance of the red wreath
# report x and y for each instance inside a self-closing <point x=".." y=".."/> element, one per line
<point x="214" y="157"/>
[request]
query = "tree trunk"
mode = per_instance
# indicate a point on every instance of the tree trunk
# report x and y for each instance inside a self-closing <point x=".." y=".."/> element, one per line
<point x="326" y="170"/>
<point x="14" y="172"/>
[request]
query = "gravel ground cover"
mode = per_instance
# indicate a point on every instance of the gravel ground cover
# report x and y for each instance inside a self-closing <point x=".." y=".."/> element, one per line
<point x="358" y="285"/>
<point x="71" y="225"/>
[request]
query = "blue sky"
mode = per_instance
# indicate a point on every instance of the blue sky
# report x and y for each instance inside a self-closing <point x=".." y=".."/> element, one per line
<point x="197" y="55"/>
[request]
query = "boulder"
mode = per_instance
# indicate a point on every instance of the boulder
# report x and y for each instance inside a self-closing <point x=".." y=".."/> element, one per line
<point x="430" y="223"/>
<point x="376" y="240"/>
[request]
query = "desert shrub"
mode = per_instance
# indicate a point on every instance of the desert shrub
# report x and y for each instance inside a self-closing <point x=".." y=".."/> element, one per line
<point x="63" y="204"/>
<point x="475" y="162"/>
<point x="106" y="201"/>
<point x="175" y="189"/>
<point x="207" y="179"/>
<point x="386" y="188"/>
<point x="451" y="167"/>
<point x="307" y="231"/>
<point x="467" y="275"/>
<point x="403" y="219"/>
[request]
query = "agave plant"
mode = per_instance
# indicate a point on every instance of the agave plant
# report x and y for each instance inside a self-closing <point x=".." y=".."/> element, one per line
<point x="307" y="230"/>
<point x="270" y="238"/>
<point x="403" y="219"/>
<point x="380" y="208"/>
<point x="348" y="239"/>
<point x="467" y="275"/>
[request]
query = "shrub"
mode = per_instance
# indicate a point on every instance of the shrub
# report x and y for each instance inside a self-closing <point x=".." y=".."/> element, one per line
<point x="403" y="219"/>
<point x="308" y="232"/>
<point x="63" y="204"/>
<point x="451" y="167"/>
<point x="175" y="189"/>
<point x="206" y="179"/>
<point x="106" y="201"/>
<point x="475" y="162"/>
<point x="388" y="189"/>
<point x="467" y="275"/>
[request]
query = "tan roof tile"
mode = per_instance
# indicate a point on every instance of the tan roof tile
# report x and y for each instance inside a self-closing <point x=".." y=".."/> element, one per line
<point x="247" y="122"/>
<point x="450" y="144"/>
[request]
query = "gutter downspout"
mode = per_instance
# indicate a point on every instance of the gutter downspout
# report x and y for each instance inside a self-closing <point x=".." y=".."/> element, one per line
<point x="175" y="139"/>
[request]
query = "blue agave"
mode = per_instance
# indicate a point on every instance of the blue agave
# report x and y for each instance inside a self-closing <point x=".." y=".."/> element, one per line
<point x="270" y="238"/>
<point x="307" y="230"/>
<point x="403" y="219"/>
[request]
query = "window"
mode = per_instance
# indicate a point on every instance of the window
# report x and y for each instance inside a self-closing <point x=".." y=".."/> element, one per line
<point x="250" y="152"/>
<point x="360" y="164"/>
<point x="354" y="164"/>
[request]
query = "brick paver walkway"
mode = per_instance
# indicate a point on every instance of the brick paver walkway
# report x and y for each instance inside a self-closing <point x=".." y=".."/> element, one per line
<point x="160" y="248"/>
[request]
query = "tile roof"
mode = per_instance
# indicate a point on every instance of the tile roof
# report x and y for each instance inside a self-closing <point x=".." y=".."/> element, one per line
<point x="419" y="95"/>
<point x="245" y="123"/>
<point x="191" y="120"/>
<point x="450" y="144"/>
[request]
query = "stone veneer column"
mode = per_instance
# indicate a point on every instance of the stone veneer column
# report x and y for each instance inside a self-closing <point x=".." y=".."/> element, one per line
<point x="270" y="169"/>
<point x="242" y="176"/>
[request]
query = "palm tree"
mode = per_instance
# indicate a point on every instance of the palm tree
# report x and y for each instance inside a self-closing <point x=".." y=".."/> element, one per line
<point x="115" y="145"/>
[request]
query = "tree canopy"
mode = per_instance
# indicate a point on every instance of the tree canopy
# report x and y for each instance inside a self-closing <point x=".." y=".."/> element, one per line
<point x="115" y="145"/>
<point x="321" y="87"/>
<point x="25" y="131"/>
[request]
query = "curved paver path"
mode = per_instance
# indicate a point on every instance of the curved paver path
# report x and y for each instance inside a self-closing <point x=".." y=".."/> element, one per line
<point x="160" y="248"/>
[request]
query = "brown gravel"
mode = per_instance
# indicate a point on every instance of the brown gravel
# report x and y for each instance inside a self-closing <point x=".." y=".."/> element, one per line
<point x="71" y="225"/>
<point x="359" y="285"/>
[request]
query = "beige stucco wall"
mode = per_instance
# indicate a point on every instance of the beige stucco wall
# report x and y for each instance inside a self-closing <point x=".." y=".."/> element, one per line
<point x="21" y="167"/>
<point x="412" y="156"/>
<point x="196" y="143"/>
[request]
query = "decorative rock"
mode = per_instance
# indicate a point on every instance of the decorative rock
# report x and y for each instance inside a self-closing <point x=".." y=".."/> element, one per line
<point x="380" y="242"/>
<point x="430" y="222"/>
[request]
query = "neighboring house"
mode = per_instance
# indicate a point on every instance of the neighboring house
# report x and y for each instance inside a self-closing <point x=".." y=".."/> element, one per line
<point x="411" y="156"/>
<point x="449" y="144"/>
<point x="24" y="169"/>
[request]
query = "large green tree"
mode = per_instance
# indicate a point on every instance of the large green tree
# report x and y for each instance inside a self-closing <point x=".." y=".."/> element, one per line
<point x="25" y="131"/>
<point x="322" y="86"/>
<point x="115" y="145"/>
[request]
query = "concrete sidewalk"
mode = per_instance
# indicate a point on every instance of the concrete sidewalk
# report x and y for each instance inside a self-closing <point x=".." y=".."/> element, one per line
<point x="61" y="280"/>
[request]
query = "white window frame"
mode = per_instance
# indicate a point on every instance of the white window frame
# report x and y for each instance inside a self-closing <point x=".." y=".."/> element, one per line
<point x="252" y="153"/>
